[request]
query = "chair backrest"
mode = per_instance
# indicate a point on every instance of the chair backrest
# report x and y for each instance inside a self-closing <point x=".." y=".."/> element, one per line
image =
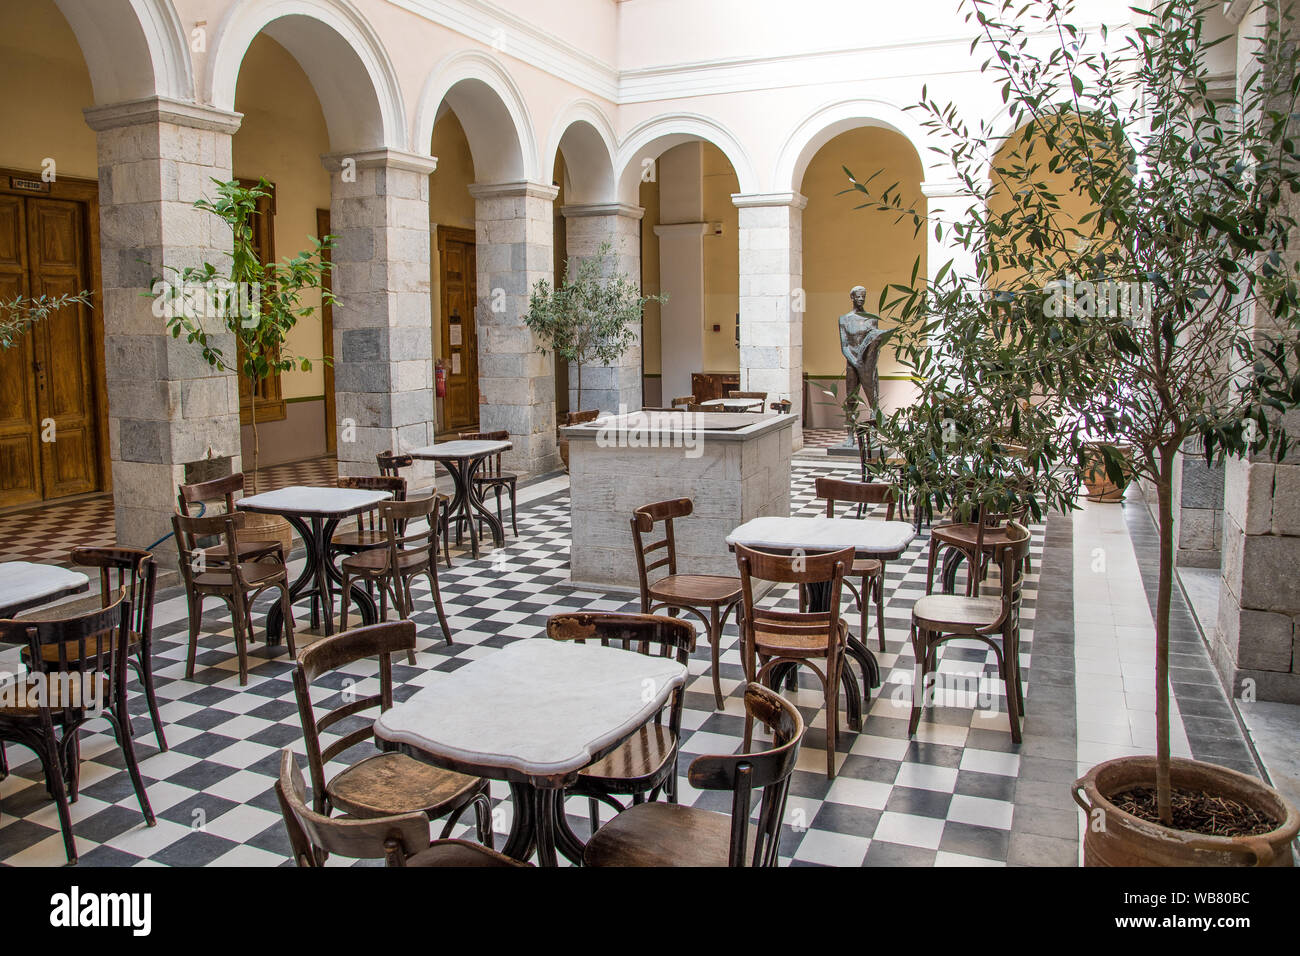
<point x="396" y="516"/>
<point x="218" y="489"/>
<point x="581" y="418"/>
<point x="768" y="770"/>
<point x="1010" y="557"/>
<point x="643" y="521"/>
<point x="194" y="560"/>
<point x="88" y="650"/>
<point x="393" y="484"/>
<point x="782" y="406"/>
<point x="313" y="834"/>
<point x="389" y="462"/>
<point x="684" y="400"/>
<point x="329" y="654"/>
<point x="857" y="492"/>
<point x="802" y="569"/>
<point x="132" y="571"/>
<point x="491" y="467"/>
<point x="761" y="396"/>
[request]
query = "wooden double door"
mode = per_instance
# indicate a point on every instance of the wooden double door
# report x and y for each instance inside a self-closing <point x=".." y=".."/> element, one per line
<point x="457" y="275"/>
<point x="49" y="420"/>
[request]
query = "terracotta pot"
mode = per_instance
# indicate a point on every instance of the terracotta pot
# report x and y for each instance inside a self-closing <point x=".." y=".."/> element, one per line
<point x="1130" y="841"/>
<point x="1098" y="484"/>
<point x="262" y="527"/>
<point x="564" y="453"/>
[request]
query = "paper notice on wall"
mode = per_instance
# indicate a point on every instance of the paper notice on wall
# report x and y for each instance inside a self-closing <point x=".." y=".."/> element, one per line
<point x="454" y="330"/>
<point x="455" y="363"/>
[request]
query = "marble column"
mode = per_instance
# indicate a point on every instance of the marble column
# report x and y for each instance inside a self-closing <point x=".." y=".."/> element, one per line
<point x="772" y="299"/>
<point x="382" y="349"/>
<point x="171" y="417"/>
<point x="587" y="227"/>
<point x="514" y="249"/>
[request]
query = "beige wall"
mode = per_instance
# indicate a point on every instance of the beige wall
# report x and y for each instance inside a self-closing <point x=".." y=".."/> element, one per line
<point x="650" y="330"/>
<point x="450" y="204"/>
<point x="721" y="263"/>
<point x="844" y="246"/>
<point x="282" y="138"/>
<point x="46" y="86"/>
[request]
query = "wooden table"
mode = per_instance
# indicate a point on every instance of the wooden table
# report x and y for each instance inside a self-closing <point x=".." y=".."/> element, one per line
<point x="314" y="513"/>
<point x="533" y="714"/>
<point x="462" y="459"/>
<point x="885" y="540"/>
<point x="25" y="585"/>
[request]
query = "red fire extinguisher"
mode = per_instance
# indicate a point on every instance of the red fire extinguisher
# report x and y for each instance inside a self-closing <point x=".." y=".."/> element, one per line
<point x="440" y="378"/>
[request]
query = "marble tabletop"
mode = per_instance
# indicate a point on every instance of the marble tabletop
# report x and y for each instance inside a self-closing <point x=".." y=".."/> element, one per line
<point x="735" y="402"/>
<point x="536" y="707"/>
<point x="311" y="501"/>
<point x="23" y="584"/>
<point x="444" y="450"/>
<point x="866" y="536"/>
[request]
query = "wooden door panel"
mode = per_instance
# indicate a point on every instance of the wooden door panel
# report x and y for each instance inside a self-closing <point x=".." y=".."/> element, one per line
<point x="20" y="481"/>
<point x="457" y="281"/>
<point x="56" y="258"/>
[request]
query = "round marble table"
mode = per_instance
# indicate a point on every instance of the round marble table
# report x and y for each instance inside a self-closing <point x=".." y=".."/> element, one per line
<point x="462" y="459"/>
<point x="314" y="513"/>
<point x="533" y="714"/>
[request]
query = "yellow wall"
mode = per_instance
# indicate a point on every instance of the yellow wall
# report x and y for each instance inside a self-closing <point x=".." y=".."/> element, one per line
<point x="650" y="329"/>
<point x="844" y="247"/>
<point x="282" y="138"/>
<point x="450" y="203"/>
<point x="46" y="86"/>
<point x="721" y="263"/>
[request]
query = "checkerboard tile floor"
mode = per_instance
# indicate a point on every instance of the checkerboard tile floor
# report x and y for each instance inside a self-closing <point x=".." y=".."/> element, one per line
<point x="945" y="797"/>
<point x="48" y="534"/>
<point x="823" y="437"/>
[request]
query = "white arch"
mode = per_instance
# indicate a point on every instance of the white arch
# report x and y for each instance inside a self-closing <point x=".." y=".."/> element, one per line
<point x="133" y="48"/>
<point x="584" y="134"/>
<point x="340" y="52"/>
<point x="651" y="139"/>
<point x="840" y="117"/>
<point x="491" y="109"/>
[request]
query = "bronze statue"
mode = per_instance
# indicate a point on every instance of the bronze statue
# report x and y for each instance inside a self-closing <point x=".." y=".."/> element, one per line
<point x="860" y="341"/>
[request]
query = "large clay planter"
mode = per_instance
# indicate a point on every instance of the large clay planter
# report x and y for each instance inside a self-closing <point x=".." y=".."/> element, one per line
<point x="574" y="418"/>
<point x="1130" y="841"/>
<point x="1098" y="484"/>
<point x="264" y="527"/>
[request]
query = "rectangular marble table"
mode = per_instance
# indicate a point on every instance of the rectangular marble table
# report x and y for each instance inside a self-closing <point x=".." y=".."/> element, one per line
<point x="533" y="713"/>
<point x="25" y="585"/>
<point x="463" y="459"/>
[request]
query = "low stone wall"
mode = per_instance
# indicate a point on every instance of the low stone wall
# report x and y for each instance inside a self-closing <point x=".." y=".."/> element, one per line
<point x="731" y="476"/>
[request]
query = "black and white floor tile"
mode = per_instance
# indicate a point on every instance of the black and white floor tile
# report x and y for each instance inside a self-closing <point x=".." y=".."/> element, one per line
<point x="947" y="796"/>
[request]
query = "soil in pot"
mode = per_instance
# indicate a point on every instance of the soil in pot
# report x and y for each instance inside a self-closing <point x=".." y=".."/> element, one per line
<point x="1197" y="812"/>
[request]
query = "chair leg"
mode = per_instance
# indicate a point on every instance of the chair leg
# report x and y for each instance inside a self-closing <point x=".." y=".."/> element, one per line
<point x="921" y="653"/>
<point x="832" y="690"/>
<point x="286" y="612"/>
<point x="437" y="602"/>
<point x="237" y="620"/>
<point x="715" y="639"/>
<point x="514" y="507"/>
<point x="50" y="762"/>
<point x="4" y="762"/>
<point x="196" y="619"/>
<point x="122" y="720"/>
<point x="344" y="602"/>
<point x="593" y="813"/>
<point x="880" y="609"/>
<point x="483" y="817"/>
<point x="145" y="655"/>
<point x="930" y="564"/>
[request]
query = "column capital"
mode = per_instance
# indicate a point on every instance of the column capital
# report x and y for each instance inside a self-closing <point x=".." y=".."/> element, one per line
<point x="523" y="188"/>
<point x="747" y="200"/>
<point x="585" y="210"/>
<point x="382" y="156"/>
<point x="944" y="189"/>
<point x="160" y="109"/>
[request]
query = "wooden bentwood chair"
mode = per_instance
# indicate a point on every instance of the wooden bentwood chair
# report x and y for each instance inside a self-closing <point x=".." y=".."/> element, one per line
<point x="668" y="834"/>
<point x="391" y="465"/>
<point x="938" y="618"/>
<point x="401" y="840"/>
<point x="646" y="764"/>
<point x="869" y="571"/>
<point x="78" y="674"/>
<point x="777" y="640"/>
<point x="387" y="783"/>
<point x="219" y="572"/>
<point x="400" y="559"/>
<point x="491" y="478"/>
<point x="684" y="402"/>
<point x="224" y="490"/>
<point x="693" y="593"/>
<point x="972" y="542"/>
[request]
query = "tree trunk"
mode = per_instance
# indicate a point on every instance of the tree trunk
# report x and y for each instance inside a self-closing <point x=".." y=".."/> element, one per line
<point x="252" y="405"/>
<point x="578" y="366"/>
<point x="1164" y="496"/>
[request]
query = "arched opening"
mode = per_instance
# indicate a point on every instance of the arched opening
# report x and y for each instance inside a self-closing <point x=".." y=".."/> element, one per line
<point x="845" y="247"/>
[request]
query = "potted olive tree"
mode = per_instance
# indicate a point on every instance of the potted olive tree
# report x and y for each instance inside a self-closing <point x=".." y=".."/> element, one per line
<point x="591" y="317"/>
<point x="258" y="302"/>
<point x="1168" y="309"/>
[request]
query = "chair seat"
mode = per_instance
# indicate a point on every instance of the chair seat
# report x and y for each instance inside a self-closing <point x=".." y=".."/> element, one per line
<point x="376" y="560"/>
<point x="770" y="644"/>
<point x="695" y="589"/>
<point x="23" y="696"/>
<point x="460" y="853"/>
<point x="639" y="757"/>
<point x="866" y="566"/>
<point x="50" y="652"/>
<point x="663" y="834"/>
<point x="359" y="540"/>
<point x="964" y="535"/>
<point x="392" y="783"/>
<point x="247" y="551"/>
<point x="943" y="611"/>
<point x="254" y="572"/>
